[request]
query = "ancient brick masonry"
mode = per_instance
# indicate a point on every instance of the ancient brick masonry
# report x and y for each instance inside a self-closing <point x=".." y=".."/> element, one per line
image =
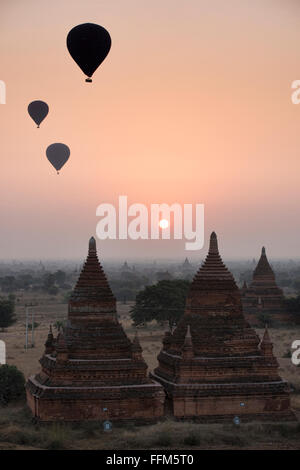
<point x="92" y="371"/>
<point x="263" y="297"/>
<point x="213" y="366"/>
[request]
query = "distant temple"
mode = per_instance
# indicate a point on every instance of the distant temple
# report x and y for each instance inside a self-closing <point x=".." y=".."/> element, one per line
<point x="163" y="276"/>
<point x="263" y="296"/>
<point x="186" y="264"/>
<point x="92" y="371"/>
<point x="213" y="366"/>
<point x="125" y="267"/>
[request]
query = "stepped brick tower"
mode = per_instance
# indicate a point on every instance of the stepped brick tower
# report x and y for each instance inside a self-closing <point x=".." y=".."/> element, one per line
<point x="213" y="366"/>
<point x="92" y="371"/>
<point x="263" y="296"/>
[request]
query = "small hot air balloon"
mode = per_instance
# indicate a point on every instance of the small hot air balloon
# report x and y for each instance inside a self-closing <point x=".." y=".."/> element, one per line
<point x="58" y="155"/>
<point x="88" y="44"/>
<point x="38" y="110"/>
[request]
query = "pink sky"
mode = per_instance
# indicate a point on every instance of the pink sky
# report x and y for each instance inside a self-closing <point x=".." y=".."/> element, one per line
<point x="192" y="105"/>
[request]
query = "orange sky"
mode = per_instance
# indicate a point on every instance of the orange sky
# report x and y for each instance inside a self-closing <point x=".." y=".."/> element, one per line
<point x="193" y="104"/>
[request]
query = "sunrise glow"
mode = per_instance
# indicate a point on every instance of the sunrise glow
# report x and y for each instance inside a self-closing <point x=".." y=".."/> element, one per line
<point x="164" y="223"/>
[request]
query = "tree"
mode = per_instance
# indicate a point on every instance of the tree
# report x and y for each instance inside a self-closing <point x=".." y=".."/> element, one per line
<point x="24" y="281"/>
<point x="48" y="281"/>
<point x="296" y="284"/>
<point x="67" y="296"/>
<point x="8" y="283"/>
<point x="7" y="311"/>
<point x="60" y="277"/>
<point x="164" y="301"/>
<point x="292" y="305"/>
<point x="12" y="384"/>
<point x="59" y="324"/>
<point x="53" y="290"/>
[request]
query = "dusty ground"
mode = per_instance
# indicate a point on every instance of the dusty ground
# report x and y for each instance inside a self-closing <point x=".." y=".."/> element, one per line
<point x="16" y="431"/>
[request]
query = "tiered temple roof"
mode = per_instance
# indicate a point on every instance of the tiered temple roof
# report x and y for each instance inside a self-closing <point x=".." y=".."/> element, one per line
<point x="214" y="366"/>
<point x="92" y="365"/>
<point x="263" y="296"/>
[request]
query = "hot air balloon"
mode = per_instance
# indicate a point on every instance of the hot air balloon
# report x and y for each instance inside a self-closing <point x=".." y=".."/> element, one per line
<point x="58" y="155"/>
<point x="38" y="110"/>
<point x="88" y="44"/>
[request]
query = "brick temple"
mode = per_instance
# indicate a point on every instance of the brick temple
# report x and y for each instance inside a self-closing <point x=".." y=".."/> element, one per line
<point x="92" y="371"/>
<point x="263" y="299"/>
<point x="213" y="366"/>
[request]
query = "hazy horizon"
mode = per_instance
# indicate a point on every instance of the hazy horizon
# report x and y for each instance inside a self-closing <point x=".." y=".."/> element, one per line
<point x="192" y="105"/>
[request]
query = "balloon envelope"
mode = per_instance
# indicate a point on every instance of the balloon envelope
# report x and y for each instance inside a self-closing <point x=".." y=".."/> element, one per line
<point x="58" y="155"/>
<point x="88" y="45"/>
<point x="38" y="110"/>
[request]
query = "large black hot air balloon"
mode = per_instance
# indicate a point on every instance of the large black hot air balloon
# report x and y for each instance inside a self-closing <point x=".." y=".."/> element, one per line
<point x="58" y="155"/>
<point x="38" y="110"/>
<point x="88" y="45"/>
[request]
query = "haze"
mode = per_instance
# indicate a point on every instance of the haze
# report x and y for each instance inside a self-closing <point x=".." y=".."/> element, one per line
<point x="192" y="105"/>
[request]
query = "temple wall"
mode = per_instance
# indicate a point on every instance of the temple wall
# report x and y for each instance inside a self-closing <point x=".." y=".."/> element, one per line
<point x="78" y="410"/>
<point x="185" y="407"/>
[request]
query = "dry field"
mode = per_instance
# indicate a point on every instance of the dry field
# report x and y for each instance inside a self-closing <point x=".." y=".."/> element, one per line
<point x="16" y="430"/>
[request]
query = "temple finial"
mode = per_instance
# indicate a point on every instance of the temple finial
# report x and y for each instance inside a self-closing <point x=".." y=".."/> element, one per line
<point x="188" y="338"/>
<point x="187" y="350"/>
<point x="136" y="348"/>
<point x="266" y="345"/>
<point x="92" y="245"/>
<point x="213" y="243"/>
<point x="266" y="337"/>
<point x="61" y="342"/>
<point x="49" y="345"/>
<point x="263" y="251"/>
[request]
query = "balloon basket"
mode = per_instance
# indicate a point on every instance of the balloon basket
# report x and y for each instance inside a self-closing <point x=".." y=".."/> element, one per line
<point x="88" y="80"/>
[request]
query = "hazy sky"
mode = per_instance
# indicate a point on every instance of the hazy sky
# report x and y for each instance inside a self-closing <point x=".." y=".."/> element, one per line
<point x="192" y="105"/>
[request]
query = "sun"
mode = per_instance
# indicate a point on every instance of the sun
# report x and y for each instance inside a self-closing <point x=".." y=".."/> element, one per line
<point x="164" y="223"/>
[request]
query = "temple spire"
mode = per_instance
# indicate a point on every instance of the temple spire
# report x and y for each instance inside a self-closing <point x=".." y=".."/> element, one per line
<point x="266" y="344"/>
<point x="92" y="246"/>
<point x="166" y="340"/>
<point x="263" y="267"/>
<point x="266" y="337"/>
<point x="61" y="348"/>
<point x="213" y="271"/>
<point x="136" y="348"/>
<point x="92" y="285"/>
<point x="213" y="244"/>
<point x="61" y="342"/>
<point x="188" y="337"/>
<point x="49" y="345"/>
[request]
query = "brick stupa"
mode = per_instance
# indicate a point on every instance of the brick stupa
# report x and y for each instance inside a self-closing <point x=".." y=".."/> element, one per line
<point x="263" y="297"/>
<point x="214" y="366"/>
<point x="92" y="371"/>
